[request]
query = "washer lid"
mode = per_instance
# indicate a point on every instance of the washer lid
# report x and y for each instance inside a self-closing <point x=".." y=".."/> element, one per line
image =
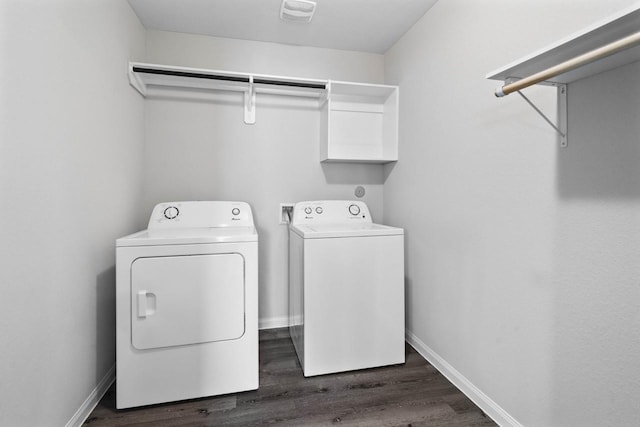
<point x="326" y="231"/>
<point x="186" y="236"/>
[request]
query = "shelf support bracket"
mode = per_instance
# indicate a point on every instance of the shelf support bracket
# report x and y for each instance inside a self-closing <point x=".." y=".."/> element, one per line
<point x="250" y="103"/>
<point x="561" y="127"/>
<point x="326" y="94"/>
<point x="136" y="82"/>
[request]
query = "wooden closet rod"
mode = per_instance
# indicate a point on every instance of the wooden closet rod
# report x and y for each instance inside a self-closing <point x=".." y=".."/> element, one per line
<point x="578" y="61"/>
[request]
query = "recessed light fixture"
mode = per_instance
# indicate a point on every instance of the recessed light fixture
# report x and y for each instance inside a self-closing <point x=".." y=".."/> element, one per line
<point x="297" y="10"/>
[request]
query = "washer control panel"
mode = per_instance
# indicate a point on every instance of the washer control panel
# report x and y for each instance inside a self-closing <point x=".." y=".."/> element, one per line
<point x="330" y="211"/>
<point x="201" y="214"/>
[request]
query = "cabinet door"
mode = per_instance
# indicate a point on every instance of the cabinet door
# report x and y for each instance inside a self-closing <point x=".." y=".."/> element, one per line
<point x="189" y="299"/>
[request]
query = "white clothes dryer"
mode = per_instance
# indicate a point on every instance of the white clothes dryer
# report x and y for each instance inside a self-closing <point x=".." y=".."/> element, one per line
<point x="346" y="288"/>
<point x="187" y="304"/>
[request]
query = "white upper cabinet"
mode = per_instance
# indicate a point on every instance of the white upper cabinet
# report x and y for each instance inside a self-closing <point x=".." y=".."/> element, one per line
<point x="360" y="123"/>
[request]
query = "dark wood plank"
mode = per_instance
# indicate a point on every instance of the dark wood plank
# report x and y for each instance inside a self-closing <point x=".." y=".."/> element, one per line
<point x="412" y="394"/>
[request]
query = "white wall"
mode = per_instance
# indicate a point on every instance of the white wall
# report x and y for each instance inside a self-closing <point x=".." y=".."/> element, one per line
<point x="71" y="133"/>
<point x="204" y="150"/>
<point x="522" y="272"/>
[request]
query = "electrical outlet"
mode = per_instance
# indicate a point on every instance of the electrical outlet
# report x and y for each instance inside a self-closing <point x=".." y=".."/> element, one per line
<point x="285" y="213"/>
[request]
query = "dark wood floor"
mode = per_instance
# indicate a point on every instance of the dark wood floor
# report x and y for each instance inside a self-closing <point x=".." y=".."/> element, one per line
<point x="412" y="394"/>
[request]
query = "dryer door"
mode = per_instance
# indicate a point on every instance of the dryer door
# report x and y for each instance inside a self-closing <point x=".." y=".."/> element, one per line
<point x="189" y="299"/>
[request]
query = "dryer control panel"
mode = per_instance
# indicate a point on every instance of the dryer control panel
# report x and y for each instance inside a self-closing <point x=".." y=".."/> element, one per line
<point x="331" y="212"/>
<point x="200" y="214"/>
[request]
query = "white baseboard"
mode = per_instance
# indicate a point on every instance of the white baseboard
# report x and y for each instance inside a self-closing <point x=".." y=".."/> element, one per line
<point x="484" y="402"/>
<point x="93" y="399"/>
<point x="274" y="322"/>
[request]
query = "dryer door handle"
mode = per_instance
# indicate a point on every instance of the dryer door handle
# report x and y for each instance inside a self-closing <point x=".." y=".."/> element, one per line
<point x="146" y="303"/>
<point x="142" y="303"/>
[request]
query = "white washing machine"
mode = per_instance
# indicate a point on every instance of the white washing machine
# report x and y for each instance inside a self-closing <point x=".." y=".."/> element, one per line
<point x="187" y="304"/>
<point x="346" y="288"/>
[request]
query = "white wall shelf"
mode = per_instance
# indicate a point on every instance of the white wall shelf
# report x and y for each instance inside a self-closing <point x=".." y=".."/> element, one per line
<point x="603" y="46"/>
<point x="359" y="121"/>
<point x="609" y="30"/>
<point x="148" y="77"/>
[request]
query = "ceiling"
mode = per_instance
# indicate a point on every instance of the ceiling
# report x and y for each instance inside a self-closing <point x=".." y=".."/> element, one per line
<point x="360" y="25"/>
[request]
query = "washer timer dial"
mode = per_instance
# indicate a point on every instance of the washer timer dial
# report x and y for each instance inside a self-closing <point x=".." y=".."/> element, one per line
<point x="171" y="212"/>
<point x="354" y="209"/>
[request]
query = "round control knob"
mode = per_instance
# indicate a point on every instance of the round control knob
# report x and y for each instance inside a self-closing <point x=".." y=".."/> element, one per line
<point x="171" y="212"/>
<point x="354" y="209"/>
<point x="235" y="211"/>
<point x="319" y="210"/>
<point x="307" y="210"/>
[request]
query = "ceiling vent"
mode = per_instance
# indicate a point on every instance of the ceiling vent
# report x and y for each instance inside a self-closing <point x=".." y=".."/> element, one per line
<point x="297" y="10"/>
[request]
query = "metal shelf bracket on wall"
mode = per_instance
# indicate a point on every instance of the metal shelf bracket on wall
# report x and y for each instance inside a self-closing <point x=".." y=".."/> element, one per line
<point x="561" y="126"/>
